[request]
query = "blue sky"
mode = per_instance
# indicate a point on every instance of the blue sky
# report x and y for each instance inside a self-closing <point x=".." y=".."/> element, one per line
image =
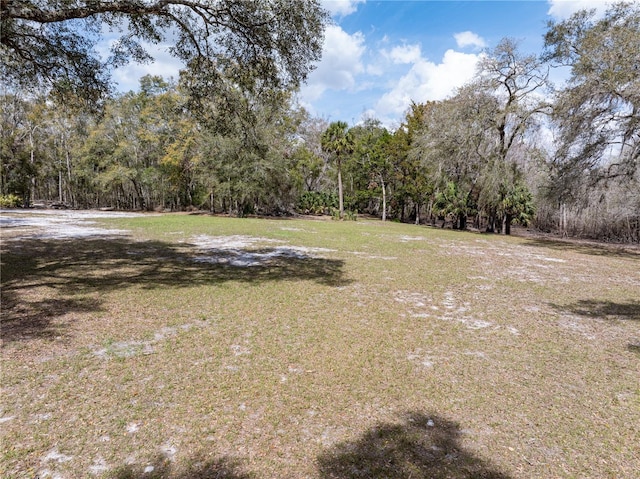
<point x="379" y="55"/>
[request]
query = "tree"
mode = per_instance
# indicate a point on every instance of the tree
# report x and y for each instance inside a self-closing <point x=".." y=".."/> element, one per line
<point x="451" y="200"/>
<point x="380" y="165"/>
<point x="515" y="81"/>
<point x="269" y="43"/>
<point x="250" y="166"/>
<point x="370" y="166"/>
<point x="516" y="204"/>
<point x="16" y="147"/>
<point x="308" y="168"/>
<point x="475" y="143"/>
<point x="69" y="125"/>
<point x="594" y="171"/>
<point x="337" y="141"/>
<point x="598" y="111"/>
<point x="452" y="143"/>
<point x="309" y="161"/>
<point x="415" y="185"/>
<point x="123" y="152"/>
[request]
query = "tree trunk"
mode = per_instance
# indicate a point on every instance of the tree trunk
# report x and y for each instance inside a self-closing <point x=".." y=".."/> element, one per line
<point x="60" y="186"/>
<point x="506" y="224"/>
<point x="32" y="180"/>
<point x="340" y="197"/>
<point x="140" y="196"/>
<point x="491" y="223"/>
<point x="384" y="199"/>
<point x="462" y="221"/>
<point x="430" y="217"/>
<point x="70" y="196"/>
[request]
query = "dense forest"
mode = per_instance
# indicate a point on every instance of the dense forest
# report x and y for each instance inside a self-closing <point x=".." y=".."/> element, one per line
<point x="507" y="148"/>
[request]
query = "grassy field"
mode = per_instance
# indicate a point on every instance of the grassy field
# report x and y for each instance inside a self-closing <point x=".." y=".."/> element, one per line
<point x="202" y="347"/>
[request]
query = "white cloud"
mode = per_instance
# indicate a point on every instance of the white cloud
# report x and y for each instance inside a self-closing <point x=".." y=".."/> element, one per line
<point x="341" y="62"/>
<point x="341" y="8"/>
<point x="563" y="9"/>
<point x="404" y="54"/>
<point x="375" y="69"/>
<point x="128" y="76"/>
<point x="428" y="81"/>
<point x="469" y="39"/>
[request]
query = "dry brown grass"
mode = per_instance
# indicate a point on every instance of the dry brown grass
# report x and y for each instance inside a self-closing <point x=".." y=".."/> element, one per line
<point x="347" y="350"/>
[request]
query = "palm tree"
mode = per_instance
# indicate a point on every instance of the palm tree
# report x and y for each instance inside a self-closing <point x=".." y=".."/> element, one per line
<point x="337" y="141"/>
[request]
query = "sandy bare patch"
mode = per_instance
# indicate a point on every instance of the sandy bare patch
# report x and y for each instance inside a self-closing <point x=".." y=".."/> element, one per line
<point x="133" y="427"/>
<point x="362" y="254"/>
<point x="421" y="358"/>
<point x="99" y="466"/>
<point x="127" y="349"/>
<point x="248" y="251"/>
<point x="577" y="325"/>
<point x="414" y="300"/>
<point x="521" y="263"/>
<point x="422" y="306"/>
<point x="46" y="224"/>
<point x="231" y="242"/>
<point x="55" y="456"/>
<point x="169" y="451"/>
<point x="406" y="239"/>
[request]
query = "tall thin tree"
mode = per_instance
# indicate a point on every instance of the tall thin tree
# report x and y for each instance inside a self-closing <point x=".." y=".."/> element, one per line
<point x="338" y="142"/>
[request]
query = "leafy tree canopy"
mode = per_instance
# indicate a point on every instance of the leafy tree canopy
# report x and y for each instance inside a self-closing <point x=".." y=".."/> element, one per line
<point x="52" y="43"/>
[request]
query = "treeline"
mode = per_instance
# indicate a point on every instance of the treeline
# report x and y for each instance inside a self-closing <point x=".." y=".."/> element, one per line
<point x="506" y="148"/>
<point x="147" y="150"/>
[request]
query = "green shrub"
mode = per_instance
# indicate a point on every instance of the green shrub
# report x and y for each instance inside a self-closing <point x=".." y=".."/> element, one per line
<point x="10" y="201"/>
<point x="351" y="215"/>
<point x="347" y="216"/>
<point x="316" y="203"/>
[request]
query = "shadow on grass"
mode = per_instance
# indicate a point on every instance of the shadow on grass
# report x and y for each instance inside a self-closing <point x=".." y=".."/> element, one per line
<point x="26" y="319"/>
<point x="422" y="446"/>
<point x="594" y="249"/>
<point x="45" y="279"/>
<point x="161" y="468"/>
<point x="603" y="309"/>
